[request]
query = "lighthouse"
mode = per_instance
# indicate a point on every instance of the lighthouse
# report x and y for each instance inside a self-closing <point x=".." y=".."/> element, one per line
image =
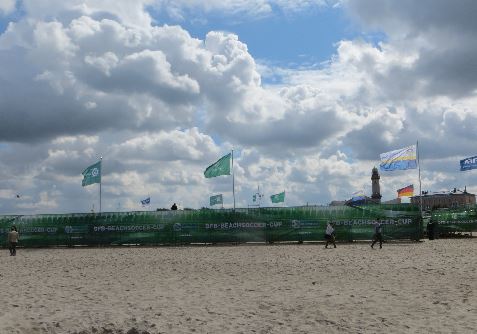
<point x="376" y="196"/>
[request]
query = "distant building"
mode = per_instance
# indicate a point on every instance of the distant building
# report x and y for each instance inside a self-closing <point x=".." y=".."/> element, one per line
<point x="452" y="199"/>
<point x="337" y="203"/>
<point x="393" y="201"/>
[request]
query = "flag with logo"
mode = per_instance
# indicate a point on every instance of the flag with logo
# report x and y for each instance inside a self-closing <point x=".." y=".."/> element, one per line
<point x="220" y="167"/>
<point x="146" y="201"/>
<point x="406" y="191"/>
<point x="468" y="163"/>
<point x="401" y="159"/>
<point x="257" y="197"/>
<point x="278" y="198"/>
<point x="92" y="174"/>
<point x="216" y="199"/>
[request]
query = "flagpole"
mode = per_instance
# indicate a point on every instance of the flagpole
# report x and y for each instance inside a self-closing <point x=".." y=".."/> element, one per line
<point x="100" y="180"/>
<point x="259" y="196"/>
<point x="419" y="168"/>
<point x="233" y="178"/>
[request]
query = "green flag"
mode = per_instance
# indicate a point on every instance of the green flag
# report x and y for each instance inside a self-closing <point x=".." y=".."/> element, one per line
<point x="277" y="198"/>
<point x="92" y="174"/>
<point x="221" y="167"/>
<point x="217" y="199"/>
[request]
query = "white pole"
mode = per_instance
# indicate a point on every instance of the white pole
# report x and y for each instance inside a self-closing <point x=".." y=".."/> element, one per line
<point x="259" y="196"/>
<point x="233" y="177"/>
<point x="419" y="168"/>
<point x="100" y="181"/>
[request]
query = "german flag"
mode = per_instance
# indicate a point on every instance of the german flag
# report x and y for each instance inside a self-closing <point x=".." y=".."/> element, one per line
<point x="406" y="191"/>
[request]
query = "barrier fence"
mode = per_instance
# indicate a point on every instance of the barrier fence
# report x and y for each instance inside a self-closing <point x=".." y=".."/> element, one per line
<point x="457" y="220"/>
<point x="207" y="226"/>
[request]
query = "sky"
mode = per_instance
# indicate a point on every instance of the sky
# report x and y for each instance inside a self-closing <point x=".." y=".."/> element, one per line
<point x="307" y="93"/>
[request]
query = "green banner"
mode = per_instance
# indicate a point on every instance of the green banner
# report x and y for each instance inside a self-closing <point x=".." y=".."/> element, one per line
<point x="455" y="220"/>
<point x="307" y="223"/>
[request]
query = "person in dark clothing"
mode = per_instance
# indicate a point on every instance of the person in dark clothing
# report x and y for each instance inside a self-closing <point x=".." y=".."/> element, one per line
<point x="378" y="235"/>
<point x="174" y="206"/>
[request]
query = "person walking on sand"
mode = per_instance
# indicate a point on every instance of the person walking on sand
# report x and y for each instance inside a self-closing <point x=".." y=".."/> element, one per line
<point x="12" y="241"/>
<point x="330" y="235"/>
<point x="378" y="235"/>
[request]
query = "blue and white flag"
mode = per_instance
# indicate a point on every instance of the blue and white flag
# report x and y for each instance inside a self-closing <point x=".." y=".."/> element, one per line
<point x="358" y="196"/>
<point x="146" y="201"/>
<point x="404" y="158"/>
<point x="468" y="163"/>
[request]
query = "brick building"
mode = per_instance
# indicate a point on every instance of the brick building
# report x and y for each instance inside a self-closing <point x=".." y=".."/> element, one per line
<point x="452" y="199"/>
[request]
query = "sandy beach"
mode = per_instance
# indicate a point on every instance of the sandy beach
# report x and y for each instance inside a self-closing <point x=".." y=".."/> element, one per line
<point x="426" y="287"/>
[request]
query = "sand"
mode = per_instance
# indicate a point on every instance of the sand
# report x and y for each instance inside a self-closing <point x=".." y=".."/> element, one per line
<point x="426" y="287"/>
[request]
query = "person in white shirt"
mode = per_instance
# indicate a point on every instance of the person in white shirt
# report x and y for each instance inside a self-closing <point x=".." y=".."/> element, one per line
<point x="330" y="235"/>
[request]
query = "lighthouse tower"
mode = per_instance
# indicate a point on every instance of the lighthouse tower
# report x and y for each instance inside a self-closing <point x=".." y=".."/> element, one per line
<point x="376" y="196"/>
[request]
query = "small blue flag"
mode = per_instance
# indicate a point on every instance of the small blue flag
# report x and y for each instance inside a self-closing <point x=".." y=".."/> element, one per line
<point x="146" y="201"/>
